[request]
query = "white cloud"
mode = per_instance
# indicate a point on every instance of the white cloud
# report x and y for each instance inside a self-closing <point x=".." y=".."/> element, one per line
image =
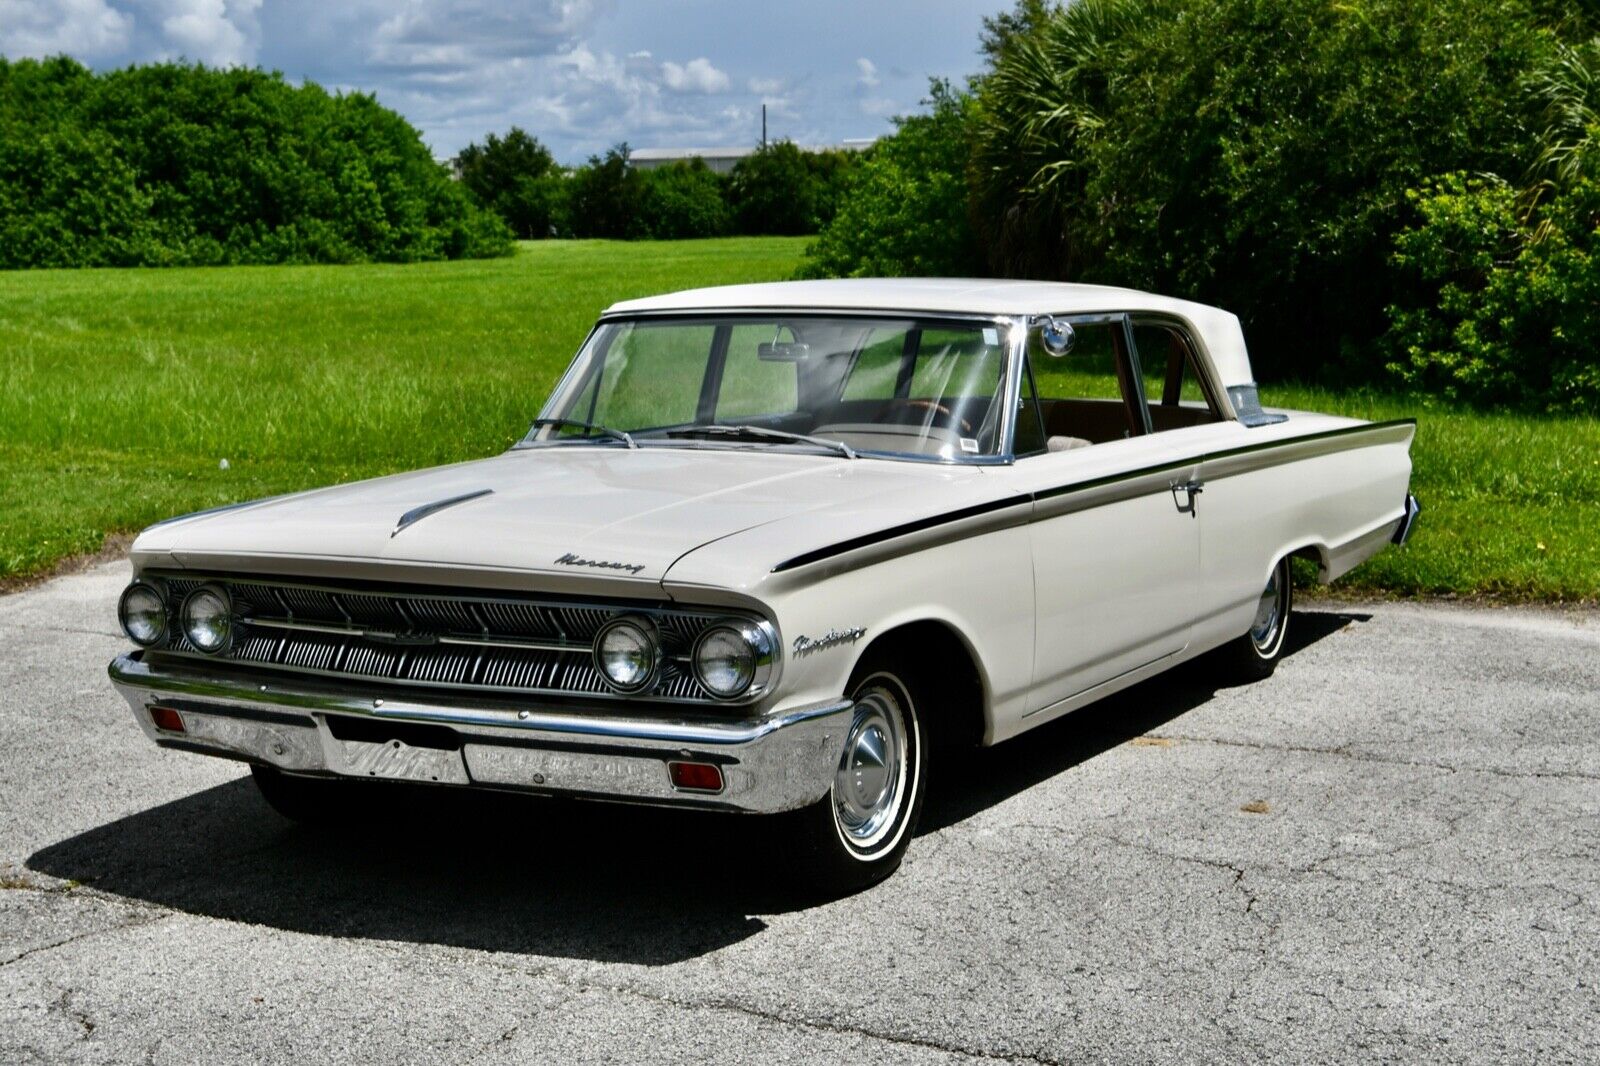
<point x="696" y="76"/>
<point x="220" y="32"/>
<point x="86" y="29"/>
<point x="579" y="74"/>
<point x="432" y="32"/>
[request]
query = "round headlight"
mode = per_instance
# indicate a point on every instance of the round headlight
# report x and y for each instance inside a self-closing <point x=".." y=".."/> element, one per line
<point x="626" y="653"/>
<point x="143" y="614"/>
<point x="731" y="656"/>
<point x="208" y="619"/>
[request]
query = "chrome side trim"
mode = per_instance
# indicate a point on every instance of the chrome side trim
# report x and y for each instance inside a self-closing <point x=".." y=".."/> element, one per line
<point x="417" y="514"/>
<point x="1095" y="492"/>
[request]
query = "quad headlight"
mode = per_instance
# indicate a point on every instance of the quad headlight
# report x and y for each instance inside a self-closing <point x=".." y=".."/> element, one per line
<point x="142" y="610"/>
<point x="207" y="618"/>
<point x="627" y="652"/>
<point x="732" y="656"/>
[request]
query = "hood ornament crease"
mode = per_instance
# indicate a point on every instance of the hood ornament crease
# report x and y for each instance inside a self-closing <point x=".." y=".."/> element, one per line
<point x="417" y="514"/>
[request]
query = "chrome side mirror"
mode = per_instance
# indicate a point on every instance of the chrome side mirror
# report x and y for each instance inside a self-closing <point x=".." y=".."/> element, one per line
<point x="1057" y="337"/>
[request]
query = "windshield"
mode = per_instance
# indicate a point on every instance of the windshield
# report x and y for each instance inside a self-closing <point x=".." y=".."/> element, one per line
<point x="904" y="387"/>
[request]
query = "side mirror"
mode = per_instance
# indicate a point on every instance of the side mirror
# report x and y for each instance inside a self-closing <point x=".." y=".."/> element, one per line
<point x="1057" y="337"/>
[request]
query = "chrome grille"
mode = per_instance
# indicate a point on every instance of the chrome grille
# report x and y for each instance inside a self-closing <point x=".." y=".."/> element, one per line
<point x="479" y="642"/>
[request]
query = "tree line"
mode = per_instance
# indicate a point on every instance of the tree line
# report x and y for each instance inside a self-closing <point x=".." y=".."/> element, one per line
<point x="778" y="189"/>
<point x="178" y="164"/>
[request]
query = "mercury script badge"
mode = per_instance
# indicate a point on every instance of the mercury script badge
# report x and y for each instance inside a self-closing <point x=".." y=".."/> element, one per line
<point x="598" y="564"/>
<point x="804" y="645"/>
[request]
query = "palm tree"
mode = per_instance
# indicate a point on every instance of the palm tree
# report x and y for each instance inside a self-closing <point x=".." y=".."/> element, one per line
<point x="1569" y="86"/>
<point x="1040" y="112"/>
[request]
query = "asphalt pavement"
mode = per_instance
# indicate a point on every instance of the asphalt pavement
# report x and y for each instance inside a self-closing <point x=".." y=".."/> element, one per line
<point x="1389" y="851"/>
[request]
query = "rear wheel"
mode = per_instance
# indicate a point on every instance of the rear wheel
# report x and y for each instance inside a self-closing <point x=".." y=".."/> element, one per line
<point x="1255" y="655"/>
<point x="858" y="833"/>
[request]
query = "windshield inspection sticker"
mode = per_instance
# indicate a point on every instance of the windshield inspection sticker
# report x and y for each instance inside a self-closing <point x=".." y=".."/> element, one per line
<point x="969" y="445"/>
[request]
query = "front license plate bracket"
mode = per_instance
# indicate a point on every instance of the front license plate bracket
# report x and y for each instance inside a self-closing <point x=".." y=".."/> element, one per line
<point x="395" y="760"/>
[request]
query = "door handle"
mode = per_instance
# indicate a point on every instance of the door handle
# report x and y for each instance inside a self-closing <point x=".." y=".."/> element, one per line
<point x="1191" y="491"/>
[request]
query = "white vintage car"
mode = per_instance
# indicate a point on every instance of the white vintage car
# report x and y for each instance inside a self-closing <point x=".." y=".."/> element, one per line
<point x="770" y="548"/>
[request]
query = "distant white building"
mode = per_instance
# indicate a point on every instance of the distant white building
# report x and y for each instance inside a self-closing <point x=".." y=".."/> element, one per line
<point x="721" y="160"/>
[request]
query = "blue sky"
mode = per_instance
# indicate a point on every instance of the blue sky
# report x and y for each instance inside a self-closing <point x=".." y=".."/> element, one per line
<point x="580" y="74"/>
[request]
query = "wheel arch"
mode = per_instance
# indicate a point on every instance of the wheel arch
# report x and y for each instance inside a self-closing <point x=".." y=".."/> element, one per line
<point x="966" y="719"/>
<point x="1315" y="552"/>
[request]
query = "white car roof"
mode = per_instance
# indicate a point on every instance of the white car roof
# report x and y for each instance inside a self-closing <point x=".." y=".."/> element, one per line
<point x="1218" y="331"/>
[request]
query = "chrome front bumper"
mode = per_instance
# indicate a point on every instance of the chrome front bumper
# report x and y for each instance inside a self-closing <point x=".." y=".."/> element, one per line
<point x="770" y="764"/>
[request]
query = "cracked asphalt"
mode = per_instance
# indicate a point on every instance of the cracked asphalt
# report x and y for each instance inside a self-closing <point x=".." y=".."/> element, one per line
<point x="1387" y="852"/>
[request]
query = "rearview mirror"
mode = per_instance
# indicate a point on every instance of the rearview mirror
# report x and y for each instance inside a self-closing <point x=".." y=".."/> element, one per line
<point x="783" y="352"/>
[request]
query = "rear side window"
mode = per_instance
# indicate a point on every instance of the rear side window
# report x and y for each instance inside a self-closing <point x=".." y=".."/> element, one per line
<point x="1172" y="385"/>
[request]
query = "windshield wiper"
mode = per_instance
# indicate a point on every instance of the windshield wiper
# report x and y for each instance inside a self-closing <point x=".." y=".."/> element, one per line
<point x="604" y="431"/>
<point x="759" y="433"/>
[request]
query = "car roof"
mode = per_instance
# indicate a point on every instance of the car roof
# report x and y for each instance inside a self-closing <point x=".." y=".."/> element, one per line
<point x="1218" y="331"/>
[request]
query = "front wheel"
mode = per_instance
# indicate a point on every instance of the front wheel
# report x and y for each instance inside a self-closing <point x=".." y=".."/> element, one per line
<point x="857" y="834"/>
<point x="1255" y="655"/>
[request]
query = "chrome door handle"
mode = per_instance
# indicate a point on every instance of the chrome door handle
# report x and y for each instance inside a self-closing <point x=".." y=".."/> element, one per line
<point x="1190" y="490"/>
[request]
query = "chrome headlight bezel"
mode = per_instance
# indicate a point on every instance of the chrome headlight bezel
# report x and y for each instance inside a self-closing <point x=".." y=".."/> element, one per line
<point x="758" y="638"/>
<point x="221" y="594"/>
<point x="651" y="639"/>
<point x="140" y="587"/>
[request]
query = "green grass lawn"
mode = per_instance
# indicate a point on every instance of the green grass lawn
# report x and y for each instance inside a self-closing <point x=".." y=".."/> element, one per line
<point x="122" y="392"/>
<point x="1510" y="503"/>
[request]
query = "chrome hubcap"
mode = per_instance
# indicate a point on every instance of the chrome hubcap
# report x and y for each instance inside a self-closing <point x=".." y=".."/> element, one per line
<point x="1269" y="612"/>
<point x="869" y="786"/>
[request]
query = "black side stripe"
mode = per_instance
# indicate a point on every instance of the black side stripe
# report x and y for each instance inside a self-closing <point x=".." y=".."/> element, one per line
<point x="905" y="529"/>
<point x="902" y="530"/>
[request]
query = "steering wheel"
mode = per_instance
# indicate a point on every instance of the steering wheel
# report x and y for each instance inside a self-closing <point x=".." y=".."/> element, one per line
<point x="895" y="406"/>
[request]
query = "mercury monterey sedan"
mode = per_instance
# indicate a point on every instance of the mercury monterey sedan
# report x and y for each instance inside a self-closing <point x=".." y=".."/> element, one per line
<point x="774" y="549"/>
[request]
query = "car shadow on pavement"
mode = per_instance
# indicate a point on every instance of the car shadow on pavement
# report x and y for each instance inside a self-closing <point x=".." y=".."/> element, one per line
<point x="992" y="775"/>
<point x="527" y="875"/>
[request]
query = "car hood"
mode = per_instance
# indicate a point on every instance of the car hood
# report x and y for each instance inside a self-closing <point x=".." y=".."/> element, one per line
<point x="595" y="511"/>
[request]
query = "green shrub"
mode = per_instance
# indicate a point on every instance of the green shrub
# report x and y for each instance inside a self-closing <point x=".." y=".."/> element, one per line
<point x="1248" y="153"/>
<point x="180" y="164"/>
<point x="516" y="178"/>
<point x="605" y="198"/>
<point x="782" y="190"/>
<point x="682" y="201"/>
<point x="1508" y="313"/>
<point x="904" y="210"/>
